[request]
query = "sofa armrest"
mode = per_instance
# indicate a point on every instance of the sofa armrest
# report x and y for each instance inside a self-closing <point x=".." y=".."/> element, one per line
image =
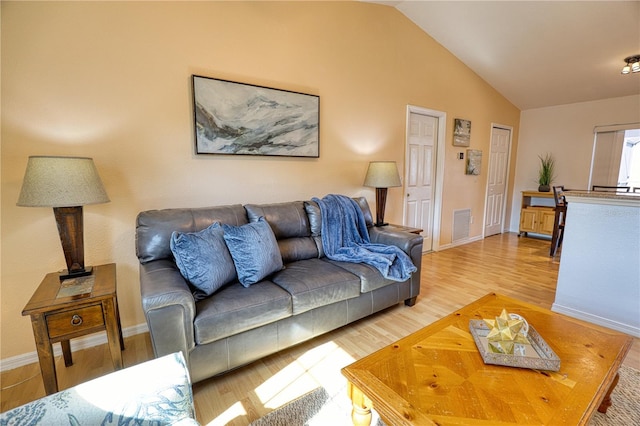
<point x="169" y="307"/>
<point x="406" y="241"/>
<point x="137" y="395"/>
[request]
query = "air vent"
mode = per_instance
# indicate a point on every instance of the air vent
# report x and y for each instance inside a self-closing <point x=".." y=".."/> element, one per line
<point x="461" y="221"/>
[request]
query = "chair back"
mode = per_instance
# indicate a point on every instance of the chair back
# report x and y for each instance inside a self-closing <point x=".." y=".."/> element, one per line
<point x="558" y="196"/>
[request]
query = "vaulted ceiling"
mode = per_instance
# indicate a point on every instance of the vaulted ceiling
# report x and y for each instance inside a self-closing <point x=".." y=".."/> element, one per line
<point x="538" y="53"/>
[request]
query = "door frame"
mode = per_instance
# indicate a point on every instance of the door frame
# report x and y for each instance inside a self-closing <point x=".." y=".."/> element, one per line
<point x="439" y="175"/>
<point x="506" y="185"/>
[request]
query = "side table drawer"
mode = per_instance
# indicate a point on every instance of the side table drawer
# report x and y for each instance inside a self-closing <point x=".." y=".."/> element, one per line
<point x="74" y="320"/>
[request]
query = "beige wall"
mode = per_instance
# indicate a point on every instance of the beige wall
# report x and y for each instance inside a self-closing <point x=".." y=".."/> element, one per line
<point x="566" y="132"/>
<point x="112" y="81"/>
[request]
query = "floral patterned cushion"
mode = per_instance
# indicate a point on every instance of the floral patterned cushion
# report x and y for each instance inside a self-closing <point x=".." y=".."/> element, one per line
<point x="156" y="392"/>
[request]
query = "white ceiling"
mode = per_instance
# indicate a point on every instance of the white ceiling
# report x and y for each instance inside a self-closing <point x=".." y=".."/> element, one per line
<point x="538" y="53"/>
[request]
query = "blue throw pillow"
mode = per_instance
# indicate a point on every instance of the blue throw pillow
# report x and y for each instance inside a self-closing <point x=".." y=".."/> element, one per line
<point x="254" y="250"/>
<point x="203" y="259"/>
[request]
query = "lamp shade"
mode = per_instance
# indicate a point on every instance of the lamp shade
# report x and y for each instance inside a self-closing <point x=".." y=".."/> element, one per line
<point x="61" y="182"/>
<point x="382" y="174"/>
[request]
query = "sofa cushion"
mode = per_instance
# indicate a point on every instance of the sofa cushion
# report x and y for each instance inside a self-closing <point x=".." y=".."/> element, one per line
<point x="370" y="278"/>
<point x="290" y="224"/>
<point x="313" y="283"/>
<point x="203" y="259"/>
<point x="254" y="250"/>
<point x="235" y="309"/>
<point x="315" y="224"/>
<point x="154" y="227"/>
<point x="315" y="220"/>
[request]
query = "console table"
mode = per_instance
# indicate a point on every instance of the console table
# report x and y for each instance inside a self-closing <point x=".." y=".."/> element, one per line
<point x="537" y="217"/>
<point x="58" y="317"/>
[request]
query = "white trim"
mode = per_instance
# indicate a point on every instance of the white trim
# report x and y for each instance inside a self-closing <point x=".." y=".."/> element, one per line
<point x="616" y="127"/>
<point x="461" y="242"/>
<point x="506" y="185"/>
<point x="605" y="322"/>
<point x="440" y="157"/>
<point x="593" y="156"/>
<point x="85" y="342"/>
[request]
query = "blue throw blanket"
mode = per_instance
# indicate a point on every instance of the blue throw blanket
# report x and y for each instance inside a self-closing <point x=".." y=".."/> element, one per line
<point x="345" y="238"/>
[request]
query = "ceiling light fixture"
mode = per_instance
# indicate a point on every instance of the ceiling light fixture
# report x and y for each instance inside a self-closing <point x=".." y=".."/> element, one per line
<point x="633" y="64"/>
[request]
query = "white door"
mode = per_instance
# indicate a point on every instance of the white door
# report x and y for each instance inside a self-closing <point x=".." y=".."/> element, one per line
<point x="497" y="184"/>
<point x="422" y="135"/>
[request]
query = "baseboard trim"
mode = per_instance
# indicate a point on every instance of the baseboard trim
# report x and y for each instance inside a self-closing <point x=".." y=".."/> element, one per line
<point x="76" y="344"/>
<point x="595" y="319"/>
<point x="460" y="243"/>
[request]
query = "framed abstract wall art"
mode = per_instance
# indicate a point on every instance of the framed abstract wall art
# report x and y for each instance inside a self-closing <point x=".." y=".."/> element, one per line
<point x="461" y="132"/>
<point x="237" y="118"/>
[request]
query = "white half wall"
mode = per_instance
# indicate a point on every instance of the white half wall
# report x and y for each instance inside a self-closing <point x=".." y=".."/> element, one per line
<point x="599" y="276"/>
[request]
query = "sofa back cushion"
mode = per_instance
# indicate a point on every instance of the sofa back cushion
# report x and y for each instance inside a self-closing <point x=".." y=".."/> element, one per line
<point x="154" y="227"/>
<point x="290" y="224"/>
<point x="315" y="219"/>
<point x="366" y="211"/>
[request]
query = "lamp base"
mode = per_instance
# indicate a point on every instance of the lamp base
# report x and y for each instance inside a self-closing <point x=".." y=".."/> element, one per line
<point x="381" y="201"/>
<point x="381" y="224"/>
<point x="66" y="275"/>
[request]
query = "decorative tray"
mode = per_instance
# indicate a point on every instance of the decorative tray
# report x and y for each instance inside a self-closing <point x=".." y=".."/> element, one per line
<point x="536" y="354"/>
<point x="74" y="287"/>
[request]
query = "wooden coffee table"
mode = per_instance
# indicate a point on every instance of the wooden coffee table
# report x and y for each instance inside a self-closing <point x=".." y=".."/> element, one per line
<point x="437" y="376"/>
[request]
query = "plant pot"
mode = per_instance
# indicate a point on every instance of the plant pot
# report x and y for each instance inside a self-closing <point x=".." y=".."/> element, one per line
<point x="544" y="188"/>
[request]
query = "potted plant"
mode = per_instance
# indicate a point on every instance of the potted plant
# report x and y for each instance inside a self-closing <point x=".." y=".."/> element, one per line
<point x="546" y="173"/>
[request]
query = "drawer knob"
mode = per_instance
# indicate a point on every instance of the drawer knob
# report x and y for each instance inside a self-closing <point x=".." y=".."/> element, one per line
<point x="76" y="320"/>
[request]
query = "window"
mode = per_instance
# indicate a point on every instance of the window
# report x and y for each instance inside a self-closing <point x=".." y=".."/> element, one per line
<point x="616" y="157"/>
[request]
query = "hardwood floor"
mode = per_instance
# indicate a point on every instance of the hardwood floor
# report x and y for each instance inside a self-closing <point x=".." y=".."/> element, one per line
<point x="517" y="267"/>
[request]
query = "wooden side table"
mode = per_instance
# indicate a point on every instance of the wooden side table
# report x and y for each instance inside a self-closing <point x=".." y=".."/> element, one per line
<point x="58" y="317"/>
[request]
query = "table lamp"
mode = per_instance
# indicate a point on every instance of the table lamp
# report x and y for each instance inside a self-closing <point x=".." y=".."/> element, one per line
<point x="382" y="175"/>
<point x="66" y="184"/>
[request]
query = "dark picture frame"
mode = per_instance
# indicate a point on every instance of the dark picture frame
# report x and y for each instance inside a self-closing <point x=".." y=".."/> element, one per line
<point x="245" y="119"/>
<point x="461" y="132"/>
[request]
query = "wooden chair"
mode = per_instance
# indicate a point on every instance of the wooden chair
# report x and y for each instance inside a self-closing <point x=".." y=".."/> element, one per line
<point x="602" y="188"/>
<point x="559" y="221"/>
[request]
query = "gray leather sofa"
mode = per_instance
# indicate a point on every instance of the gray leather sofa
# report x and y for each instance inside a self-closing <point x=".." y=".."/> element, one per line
<point x="236" y="325"/>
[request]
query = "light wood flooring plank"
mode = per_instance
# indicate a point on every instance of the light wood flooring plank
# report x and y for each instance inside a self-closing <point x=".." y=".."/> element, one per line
<point x="517" y="267"/>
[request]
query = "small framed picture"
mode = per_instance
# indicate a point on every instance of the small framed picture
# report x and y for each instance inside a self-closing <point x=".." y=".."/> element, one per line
<point x="474" y="162"/>
<point x="461" y="132"/>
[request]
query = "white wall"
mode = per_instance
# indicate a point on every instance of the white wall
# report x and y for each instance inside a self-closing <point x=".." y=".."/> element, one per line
<point x="565" y="131"/>
<point x="112" y="81"/>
